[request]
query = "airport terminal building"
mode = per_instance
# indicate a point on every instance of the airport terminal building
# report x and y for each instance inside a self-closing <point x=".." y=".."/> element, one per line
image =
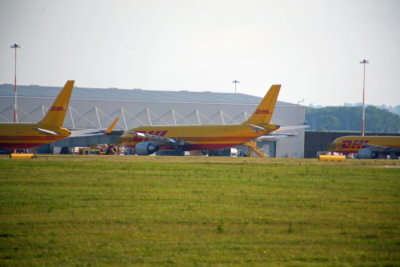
<point x="97" y="108"/>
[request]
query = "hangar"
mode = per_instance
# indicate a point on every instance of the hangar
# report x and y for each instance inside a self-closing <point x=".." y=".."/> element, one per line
<point x="94" y="108"/>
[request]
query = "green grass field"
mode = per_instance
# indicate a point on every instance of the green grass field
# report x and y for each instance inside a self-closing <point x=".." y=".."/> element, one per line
<point x="198" y="211"/>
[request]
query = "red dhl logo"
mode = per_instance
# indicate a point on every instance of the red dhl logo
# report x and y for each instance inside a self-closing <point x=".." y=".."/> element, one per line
<point x="54" y="108"/>
<point x="161" y="133"/>
<point x="262" y="111"/>
<point x="354" y="144"/>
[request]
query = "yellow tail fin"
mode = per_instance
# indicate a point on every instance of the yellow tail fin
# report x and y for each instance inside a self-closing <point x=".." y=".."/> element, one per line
<point x="111" y="127"/>
<point x="263" y="113"/>
<point x="56" y="114"/>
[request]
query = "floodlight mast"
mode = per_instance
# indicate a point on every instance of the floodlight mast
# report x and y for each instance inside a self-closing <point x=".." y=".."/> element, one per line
<point x="235" y="82"/>
<point x="15" y="46"/>
<point x="363" y="99"/>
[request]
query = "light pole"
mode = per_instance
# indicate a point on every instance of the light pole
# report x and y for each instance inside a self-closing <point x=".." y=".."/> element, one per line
<point x="363" y="103"/>
<point x="235" y="82"/>
<point x="15" y="46"/>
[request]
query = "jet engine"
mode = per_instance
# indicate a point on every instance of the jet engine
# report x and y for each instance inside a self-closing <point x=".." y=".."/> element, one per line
<point x="146" y="148"/>
<point x="366" y="153"/>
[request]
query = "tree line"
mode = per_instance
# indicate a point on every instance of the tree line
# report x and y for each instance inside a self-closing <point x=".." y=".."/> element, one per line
<point x="349" y="119"/>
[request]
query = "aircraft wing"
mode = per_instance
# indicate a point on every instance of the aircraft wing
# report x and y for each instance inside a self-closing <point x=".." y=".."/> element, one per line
<point x="282" y="133"/>
<point x="291" y="128"/>
<point x="275" y="136"/>
<point x="378" y="148"/>
<point x="94" y="132"/>
<point x="87" y="132"/>
<point x="159" y="140"/>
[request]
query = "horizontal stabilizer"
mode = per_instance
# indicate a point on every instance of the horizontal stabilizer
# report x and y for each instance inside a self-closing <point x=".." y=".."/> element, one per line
<point x="45" y="131"/>
<point x="257" y="128"/>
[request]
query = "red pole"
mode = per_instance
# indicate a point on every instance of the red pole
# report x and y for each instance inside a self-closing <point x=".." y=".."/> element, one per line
<point x="15" y="46"/>
<point x="15" y="84"/>
<point x="363" y="103"/>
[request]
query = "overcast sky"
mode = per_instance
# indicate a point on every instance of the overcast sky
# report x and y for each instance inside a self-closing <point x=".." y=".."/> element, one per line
<point x="312" y="47"/>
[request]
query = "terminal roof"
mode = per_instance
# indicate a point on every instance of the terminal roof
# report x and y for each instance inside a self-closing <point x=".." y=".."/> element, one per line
<point x="132" y="94"/>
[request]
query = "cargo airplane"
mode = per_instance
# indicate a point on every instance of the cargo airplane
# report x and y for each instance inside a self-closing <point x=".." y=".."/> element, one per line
<point x="147" y="140"/>
<point x="367" y="147"/>
<point x="30" y="135"/>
